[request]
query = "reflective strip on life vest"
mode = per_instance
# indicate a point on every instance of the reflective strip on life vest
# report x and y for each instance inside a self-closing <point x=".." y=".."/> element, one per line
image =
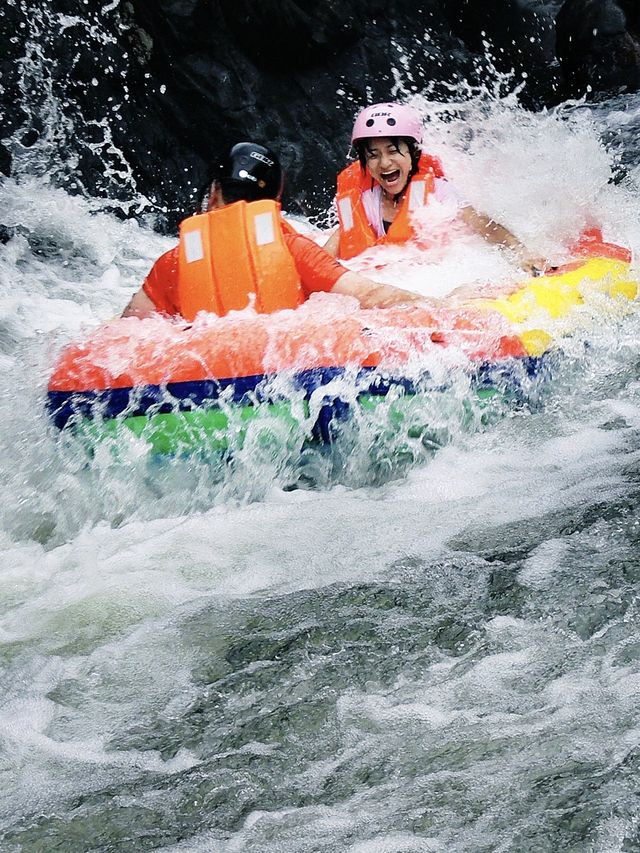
<point x="417" y="194"/>
<point x="345" y="212"/>
<point x="401" y="229"/>
<point x="234" y="254"/>
<point x="193" y="248"/>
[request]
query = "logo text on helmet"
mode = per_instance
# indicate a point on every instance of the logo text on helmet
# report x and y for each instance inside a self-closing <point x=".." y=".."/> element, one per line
<point x="257" y="156"/>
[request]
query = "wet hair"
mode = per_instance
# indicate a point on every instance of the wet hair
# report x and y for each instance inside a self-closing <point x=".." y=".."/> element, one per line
<point x="239" y="190"/>
<point x="231" y="190"/>
<point x="414" y="151"/>
<point x="248" y="172"/>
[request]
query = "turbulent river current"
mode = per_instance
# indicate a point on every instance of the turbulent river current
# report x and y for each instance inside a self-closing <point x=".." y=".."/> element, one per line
<point x="377" y="648"/>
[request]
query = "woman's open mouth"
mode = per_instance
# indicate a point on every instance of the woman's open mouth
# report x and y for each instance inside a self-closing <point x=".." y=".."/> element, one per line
<point x="390" y="178"/>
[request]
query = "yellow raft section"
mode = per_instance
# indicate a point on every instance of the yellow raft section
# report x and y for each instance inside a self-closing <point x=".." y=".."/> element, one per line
<point x="539" y="307"/>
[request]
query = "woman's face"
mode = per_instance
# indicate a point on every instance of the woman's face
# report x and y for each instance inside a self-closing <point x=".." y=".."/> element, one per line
<point x="388" y="164"/>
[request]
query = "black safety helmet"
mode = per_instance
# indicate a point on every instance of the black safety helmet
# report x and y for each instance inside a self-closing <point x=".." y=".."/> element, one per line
<point x="250" y="172"/>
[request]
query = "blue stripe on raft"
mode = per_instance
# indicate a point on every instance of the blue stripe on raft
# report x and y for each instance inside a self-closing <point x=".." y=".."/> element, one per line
<point x="250" y="390"/>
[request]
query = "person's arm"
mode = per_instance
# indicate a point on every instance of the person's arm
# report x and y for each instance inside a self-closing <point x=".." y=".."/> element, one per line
<point x="497" y="234"/>
<point x="318" y="271"/>
<point x="159" y="293"/>
<point x="333" y="243"/>
<point x="372" y="294"/>
<point x="140" y="306"/>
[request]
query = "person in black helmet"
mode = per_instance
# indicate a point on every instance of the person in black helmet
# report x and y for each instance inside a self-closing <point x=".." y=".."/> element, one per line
<point x="251" y="172"/>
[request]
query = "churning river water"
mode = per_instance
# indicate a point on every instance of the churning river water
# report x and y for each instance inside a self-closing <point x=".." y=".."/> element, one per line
<point x="368" y="649"/>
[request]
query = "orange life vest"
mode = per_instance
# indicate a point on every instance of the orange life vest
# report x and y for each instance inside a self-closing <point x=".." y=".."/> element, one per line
<point x="356" y="234"/>
<point x="234" y="253"/>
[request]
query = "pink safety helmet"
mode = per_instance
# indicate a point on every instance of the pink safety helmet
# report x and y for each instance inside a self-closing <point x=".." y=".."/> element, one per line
<point x="387" y="120"/>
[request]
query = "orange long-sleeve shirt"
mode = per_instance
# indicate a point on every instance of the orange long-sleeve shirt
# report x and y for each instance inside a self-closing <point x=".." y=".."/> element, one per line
<point x="318" y="271"/>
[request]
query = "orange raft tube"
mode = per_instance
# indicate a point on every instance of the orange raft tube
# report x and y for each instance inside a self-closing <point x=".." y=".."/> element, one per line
<point x="183" y="387"/>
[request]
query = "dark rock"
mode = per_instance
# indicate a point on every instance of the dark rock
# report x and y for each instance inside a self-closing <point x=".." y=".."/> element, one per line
<point x="289" y="74"/>
<point x="290" y="37"/>
<point x="293" y="73"/>
<point x="598" y="45"/>
<point x="12" y="52"/>
<point x="138" y="98"/>
<point x="517" y="35"/>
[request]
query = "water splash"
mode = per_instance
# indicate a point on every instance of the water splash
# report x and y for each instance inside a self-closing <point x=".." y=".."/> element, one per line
<point x="66" y="118"/>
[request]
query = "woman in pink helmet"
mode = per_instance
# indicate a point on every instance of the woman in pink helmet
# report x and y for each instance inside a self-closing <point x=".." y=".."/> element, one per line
<point x="392" y="177"/>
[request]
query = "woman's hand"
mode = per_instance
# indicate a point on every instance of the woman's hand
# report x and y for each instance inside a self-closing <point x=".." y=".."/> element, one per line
<point x="498" y="235"/>
<point x="531" y="264"/>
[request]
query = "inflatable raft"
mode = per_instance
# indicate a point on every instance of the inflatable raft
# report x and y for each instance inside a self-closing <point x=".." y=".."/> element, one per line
<point x="182" y="387"/>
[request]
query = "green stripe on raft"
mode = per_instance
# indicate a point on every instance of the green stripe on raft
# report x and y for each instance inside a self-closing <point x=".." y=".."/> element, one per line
<point x="219" y="430"/>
